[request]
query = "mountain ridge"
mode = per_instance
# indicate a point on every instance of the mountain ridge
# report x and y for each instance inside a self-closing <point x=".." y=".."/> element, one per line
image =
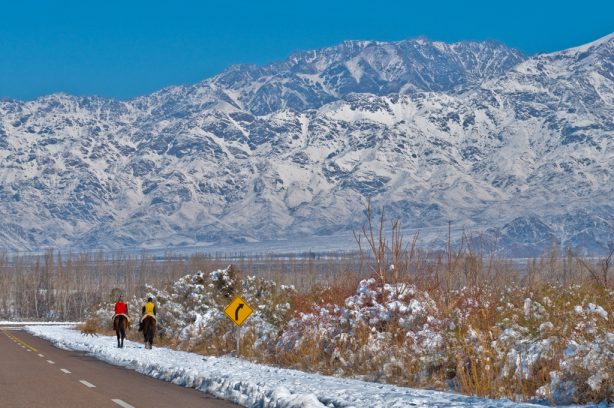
<point x="267" y="154"/>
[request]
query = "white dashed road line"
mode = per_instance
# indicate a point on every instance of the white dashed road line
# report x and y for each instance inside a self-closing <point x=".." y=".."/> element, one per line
<point x="51" y="362"/>
<point x="87" y="384"/>
<point x="40" y="355"/>
<point x="122" y="403"/>
<point x="64" y="371"/>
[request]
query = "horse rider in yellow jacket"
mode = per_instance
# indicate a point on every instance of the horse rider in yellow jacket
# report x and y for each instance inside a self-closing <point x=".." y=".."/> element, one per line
<point x="149" y="309"/>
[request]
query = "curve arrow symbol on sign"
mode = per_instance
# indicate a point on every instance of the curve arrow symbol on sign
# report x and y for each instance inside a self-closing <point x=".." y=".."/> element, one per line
<point x="237" y="311"/>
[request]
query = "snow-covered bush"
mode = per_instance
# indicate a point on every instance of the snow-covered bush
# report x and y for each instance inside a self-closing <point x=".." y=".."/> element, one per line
<point x="586" y="373"/>
<point x="545" y="342"/>
<point x="389" y="332"/>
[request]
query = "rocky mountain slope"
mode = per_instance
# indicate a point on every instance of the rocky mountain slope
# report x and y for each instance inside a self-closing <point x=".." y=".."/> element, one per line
<point x="518" y="148"/>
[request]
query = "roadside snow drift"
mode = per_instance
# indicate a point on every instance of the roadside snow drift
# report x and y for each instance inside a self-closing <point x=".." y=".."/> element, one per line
<point x="254" y="385"/>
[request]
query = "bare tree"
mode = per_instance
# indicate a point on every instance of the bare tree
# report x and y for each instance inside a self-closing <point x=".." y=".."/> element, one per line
<point x="599" y="273"/>
<point x="392" y="257"/>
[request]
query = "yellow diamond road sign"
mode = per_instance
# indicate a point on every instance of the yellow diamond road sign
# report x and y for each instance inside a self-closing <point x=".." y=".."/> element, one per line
<point x="238" y="311"/>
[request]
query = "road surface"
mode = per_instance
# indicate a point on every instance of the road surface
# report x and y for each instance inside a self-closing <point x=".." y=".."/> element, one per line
<point x="33" y="373"/>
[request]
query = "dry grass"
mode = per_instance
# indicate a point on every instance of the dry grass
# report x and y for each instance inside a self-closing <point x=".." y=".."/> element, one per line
<point x="89" y="328"/>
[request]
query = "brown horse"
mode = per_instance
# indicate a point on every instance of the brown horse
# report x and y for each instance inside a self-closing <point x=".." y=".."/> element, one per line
<point x="120" y="325"/>
<point x="149" y="330"/>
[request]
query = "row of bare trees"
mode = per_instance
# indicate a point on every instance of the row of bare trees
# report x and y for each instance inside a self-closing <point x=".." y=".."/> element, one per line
<point x="63" y="287"/>
<point x="55" y="286"/>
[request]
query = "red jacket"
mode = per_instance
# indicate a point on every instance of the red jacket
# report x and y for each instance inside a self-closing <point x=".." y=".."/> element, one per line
<point x="121" y="307"/>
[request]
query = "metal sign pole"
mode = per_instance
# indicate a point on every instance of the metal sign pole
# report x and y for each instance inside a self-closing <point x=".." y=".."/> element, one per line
<point x="238" y="341"/>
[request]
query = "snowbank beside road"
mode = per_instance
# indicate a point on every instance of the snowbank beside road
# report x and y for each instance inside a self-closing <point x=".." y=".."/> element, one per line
<point x="254" y="385"/>
<point x="34" y="323"/>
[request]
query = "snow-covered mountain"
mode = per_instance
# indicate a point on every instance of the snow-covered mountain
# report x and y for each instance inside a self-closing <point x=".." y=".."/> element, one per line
<point x="521" y="148"/>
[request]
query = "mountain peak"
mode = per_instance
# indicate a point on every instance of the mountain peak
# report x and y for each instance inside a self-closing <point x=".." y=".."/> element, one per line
<point x="310" y="79"/>
<point x="607" y="40"/>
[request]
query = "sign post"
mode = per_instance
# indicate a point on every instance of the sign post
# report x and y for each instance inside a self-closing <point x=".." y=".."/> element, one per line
<point x="238" y="311"/>
<point x="238" y="337"/>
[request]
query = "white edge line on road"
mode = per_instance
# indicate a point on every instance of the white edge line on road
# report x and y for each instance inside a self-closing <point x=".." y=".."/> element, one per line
<point x="64" y="371"/>
<point x="51" y="362"/>
<point x="87" y="384"/>
<point x="122" y="403"/>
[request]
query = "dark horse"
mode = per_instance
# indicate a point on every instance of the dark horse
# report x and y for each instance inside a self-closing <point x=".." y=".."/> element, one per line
<point x="149" y="330"/>
<point x="120" y="324"/>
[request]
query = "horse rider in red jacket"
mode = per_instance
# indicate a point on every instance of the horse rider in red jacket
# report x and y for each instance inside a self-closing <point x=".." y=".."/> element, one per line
<point x="121" y="307"/>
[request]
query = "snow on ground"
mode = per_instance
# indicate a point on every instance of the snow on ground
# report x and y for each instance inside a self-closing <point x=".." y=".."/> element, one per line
<point x="34" y="323"/>
<point x="254" y="385"/>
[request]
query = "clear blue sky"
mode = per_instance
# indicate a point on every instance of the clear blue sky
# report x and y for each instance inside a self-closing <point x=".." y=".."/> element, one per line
<point x="132" y="47"/>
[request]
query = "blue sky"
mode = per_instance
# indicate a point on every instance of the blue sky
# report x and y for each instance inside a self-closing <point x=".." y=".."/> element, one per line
<point x="128" y="48"/>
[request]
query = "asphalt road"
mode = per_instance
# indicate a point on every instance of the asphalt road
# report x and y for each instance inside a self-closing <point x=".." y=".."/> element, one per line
<point x="33" y="373"/>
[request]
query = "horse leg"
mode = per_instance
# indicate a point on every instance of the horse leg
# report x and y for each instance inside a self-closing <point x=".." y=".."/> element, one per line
<point x="146" y="334"/>
<point x="117" y="332"/>
<point x="123" y="333"/>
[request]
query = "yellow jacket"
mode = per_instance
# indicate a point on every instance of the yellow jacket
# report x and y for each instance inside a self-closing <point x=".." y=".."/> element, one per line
<point x="150" y="308"/>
